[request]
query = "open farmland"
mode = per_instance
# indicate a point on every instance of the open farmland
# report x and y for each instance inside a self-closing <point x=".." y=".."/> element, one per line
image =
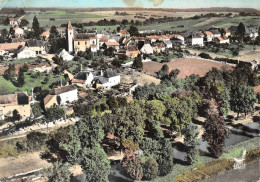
<point x="187" y="66"/>
<point x="61" y="17"/>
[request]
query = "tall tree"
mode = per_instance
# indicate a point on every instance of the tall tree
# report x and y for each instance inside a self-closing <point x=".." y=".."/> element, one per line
<point x="163" y="73"/>
<point x="133" y="31"/>
<point x="241" y="30"/>
<point x="138" y="64"/>
<point x="215" y="134"/>
<point x="10" y="73"/>
<point x="84" y="148"/>
<point x="191" y="141"/>
<point x="243" y="100"/>
<point x="36" y="28"/>
<point x="20" y="79"/>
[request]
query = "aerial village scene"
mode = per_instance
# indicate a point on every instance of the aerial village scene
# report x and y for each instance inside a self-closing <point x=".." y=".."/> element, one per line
<point x="129" y="90"/>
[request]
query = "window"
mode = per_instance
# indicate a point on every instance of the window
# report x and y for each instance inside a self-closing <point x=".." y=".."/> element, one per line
<point x="78" y="43"/>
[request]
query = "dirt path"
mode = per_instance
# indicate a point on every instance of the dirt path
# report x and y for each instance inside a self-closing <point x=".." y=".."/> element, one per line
<point x="21" y="164"/>
<point x="250" y="173"/>
<point x="208" y="21"/>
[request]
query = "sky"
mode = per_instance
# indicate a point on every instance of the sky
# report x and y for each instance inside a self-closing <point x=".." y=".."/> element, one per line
<point x="134" y="3"/>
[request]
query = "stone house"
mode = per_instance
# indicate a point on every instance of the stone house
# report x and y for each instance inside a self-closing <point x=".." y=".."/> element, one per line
<point x="19" y="101"/>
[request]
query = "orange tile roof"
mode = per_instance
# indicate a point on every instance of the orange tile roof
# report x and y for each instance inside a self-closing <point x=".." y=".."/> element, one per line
<point x="124" y="32"/>
<point x="208" y="33"/>
<point x="104" y="39"/>
<point x="112" y="43"/>
<point x="153" y="37"/>
<point x="11" y="46"/>
<point x="220" y="38"/>
<point x="48" y="98"/>
<point x="77" y="81"/>
<point x="45" y="34"/>
<point x="12" y="19"/>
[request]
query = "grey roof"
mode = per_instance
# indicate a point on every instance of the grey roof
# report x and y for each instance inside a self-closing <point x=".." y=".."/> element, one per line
<point x="100" y="80"/>
<point x="84" y="36"/>
<point x="167" y="42"/>
<point x="251" y="30"/>
<point x="35" y="43"/>
<point x="110" y="73"/>
<point x="215" y="32"/>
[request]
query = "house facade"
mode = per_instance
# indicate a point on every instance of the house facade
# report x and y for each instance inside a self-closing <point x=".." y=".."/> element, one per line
<point x="18" y="101"/>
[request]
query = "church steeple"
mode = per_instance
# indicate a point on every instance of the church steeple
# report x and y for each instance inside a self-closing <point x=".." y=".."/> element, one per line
<point x="70" y="37"/>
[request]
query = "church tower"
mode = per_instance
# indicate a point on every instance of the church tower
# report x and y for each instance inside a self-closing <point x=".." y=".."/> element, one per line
<point x="70" y="38"/>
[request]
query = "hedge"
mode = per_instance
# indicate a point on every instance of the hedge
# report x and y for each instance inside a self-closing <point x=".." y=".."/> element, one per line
<point x="252" y="156"/>
<point x="206" y="170"/>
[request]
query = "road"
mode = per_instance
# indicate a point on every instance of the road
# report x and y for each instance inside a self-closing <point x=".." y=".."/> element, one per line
<point x="250" y="174"/>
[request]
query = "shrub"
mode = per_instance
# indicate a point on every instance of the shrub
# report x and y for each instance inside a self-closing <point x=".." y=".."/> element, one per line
<point x="207" y="170"/>
<point x="252" y="156"/>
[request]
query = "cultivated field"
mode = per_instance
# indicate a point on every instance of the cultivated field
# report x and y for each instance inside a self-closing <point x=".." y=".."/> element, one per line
<point x="187" y="66"/>
<point x="140" y="78"/>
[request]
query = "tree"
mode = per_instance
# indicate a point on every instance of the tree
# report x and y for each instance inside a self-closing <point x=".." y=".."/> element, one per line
<point x="116" y="62"/>
<point x="138" y="64"/>
<point x="58" y="172"/>
<point x="191" y="141"/>
<point x="133" y="31"/>
<point x="241" y="30"/>
<point x="54" y="113"/>
<point x="225" y="102"/>
<point x="95" y="164"/>
<point x="150" y="169"/>
<point x="163" y="73"/>
<point x="36" y="28"/>
<point x="10" y="73"/>
<point x="20" y="79"/>
<point x="84" y="148"/>
<point x="243" y="100"/>
<point x="215" y="134"/>
<point x="24" y="23"/>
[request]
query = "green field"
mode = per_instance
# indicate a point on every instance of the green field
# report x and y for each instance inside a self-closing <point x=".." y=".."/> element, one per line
<point x="61" y="17"/>
<point x="7" y="87"/>
<point x="18" y="61"/>
<point x="251" y="21"/>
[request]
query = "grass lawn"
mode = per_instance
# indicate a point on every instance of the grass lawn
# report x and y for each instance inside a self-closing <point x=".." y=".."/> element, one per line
<point x="6" y="87"/>
<point x="18" y="61"/>
<point x="229" y="152"/>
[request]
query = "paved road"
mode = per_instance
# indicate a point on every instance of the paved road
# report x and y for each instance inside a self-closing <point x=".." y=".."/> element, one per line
<point x="250" y="174"/>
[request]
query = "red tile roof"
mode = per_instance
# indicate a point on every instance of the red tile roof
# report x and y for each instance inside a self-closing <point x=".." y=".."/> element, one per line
<point x="112" y="43"/>
<point x="11" y="46"/>
<point x="124" y="32"/>
<point x="45" y="34"/>
<point x="208" y="33"/>
<point x="64" y="89"/>
<point x="48" y="98"/>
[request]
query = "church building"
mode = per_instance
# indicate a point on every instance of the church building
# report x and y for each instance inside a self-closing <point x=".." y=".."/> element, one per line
<point x="81" y="41"/>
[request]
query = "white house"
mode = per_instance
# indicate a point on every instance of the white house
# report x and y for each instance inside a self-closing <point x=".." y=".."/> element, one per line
<point x="251" y="32"/>
<point x="147" y="49"/>
<point x="84" y="78"/>
<point x="195" y="39"/>
<point x="221" y="40"/>
<point x="167" y="43"/>
<point x="18" y="32"/>
<point x="65" y="94"/>
<point x="208" y="36"/>
<point x="216" y="33"/>
<point x="109" y="79"/>
<point x="13" y="22"/>
<point x="26" y="52"/>
<point x="65" y="55"/>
